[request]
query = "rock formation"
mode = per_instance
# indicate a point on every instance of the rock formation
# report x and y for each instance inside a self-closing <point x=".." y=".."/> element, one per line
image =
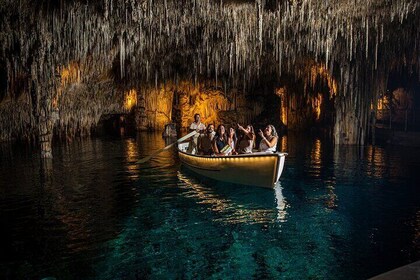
<point x="67" y="62"/>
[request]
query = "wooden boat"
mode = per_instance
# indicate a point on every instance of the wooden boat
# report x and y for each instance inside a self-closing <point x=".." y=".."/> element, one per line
<point x="256" y="169"/>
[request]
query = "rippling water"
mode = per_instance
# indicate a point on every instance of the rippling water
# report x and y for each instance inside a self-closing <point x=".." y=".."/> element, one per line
<point x="94" y="213"/>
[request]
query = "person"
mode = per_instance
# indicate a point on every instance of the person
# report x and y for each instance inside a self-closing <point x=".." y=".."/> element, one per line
<point x="269" y="139"/>
<point x="220" y="140"/>
<point x="205" y="141"/>
<point x="232" y="140"/>
<point x="247" y="140"/>
<point x="198" y="126"/>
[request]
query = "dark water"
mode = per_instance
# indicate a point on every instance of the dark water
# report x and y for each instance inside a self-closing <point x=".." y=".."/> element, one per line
<point x="94" y="213"/>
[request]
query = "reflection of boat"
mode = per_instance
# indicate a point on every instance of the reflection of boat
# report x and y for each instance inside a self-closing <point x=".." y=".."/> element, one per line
<point x="236" y="205"/>
<point x="281" y="203"/>
<point x="256" y="169"/>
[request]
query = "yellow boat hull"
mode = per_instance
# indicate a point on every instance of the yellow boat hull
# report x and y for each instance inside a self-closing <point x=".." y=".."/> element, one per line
<point x="256" y="169"/>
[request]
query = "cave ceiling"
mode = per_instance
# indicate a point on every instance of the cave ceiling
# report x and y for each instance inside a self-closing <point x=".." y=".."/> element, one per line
<point x="239" y="42"/>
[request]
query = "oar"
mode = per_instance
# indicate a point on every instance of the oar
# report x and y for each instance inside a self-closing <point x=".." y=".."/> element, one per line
<point x="191" y="134"/>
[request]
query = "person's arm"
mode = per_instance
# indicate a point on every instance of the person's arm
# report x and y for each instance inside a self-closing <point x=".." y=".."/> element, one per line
<point x="247" y="133"/>
<point x="215" y="149"/>
<point x="199" y="146"/>
<point x="230" y="140"/>
<point x="232" y="143"/>
<point x="270" y="143"/>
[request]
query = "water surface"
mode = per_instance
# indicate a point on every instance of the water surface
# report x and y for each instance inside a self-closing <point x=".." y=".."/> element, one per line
<point x="94" y="213"/>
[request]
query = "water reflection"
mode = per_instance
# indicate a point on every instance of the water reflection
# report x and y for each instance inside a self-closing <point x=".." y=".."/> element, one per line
<point x="236" y="205"/>
<point x="131" y="156"/>
<point x="332" y="200"/>
<point x="95" y="212"/>
<point x="281" y="203"/>
<point x="283" y="144"/>
<point x="65" y="207"/>
<point x="376" y="162"/>
<point x="148" y="143"/>
<point x="316" y="163"/>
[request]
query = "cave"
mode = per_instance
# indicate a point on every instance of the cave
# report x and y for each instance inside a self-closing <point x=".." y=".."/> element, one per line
<point x="226" y="60"/>
<point x="345" y="73"/>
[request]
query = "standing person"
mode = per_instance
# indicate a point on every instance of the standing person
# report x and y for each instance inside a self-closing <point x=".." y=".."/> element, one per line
<point x="247" y="140"/>
<point x="205" y="141"/>
<point x="198" y="126"/>
<point x="269" y="139"/>
<point x="232" y="140"/>
<point x="220" y="140"/>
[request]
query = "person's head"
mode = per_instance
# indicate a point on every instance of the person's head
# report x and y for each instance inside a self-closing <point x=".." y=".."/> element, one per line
<point x="249" y="128"/>
<point x="270" y="130"/>
<point x="210" y="128"/>
<point x="221" y="130"/>
<point x="197" y="117"/>
<point x="232" y="134"/>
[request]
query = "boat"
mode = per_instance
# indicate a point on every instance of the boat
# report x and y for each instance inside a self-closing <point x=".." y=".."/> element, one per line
<point x="257" y="169"/>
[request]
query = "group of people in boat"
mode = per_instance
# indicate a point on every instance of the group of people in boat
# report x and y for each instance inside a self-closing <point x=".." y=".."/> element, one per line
<point x="230" y="141"/>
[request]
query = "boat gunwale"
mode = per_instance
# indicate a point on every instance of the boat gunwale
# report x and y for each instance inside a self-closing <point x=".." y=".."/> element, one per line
<point x="251" y="155"/>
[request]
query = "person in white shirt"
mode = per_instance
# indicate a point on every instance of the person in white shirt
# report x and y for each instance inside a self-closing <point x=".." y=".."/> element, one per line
<point x="198" y="126"/>
<point x="269" y="139"/>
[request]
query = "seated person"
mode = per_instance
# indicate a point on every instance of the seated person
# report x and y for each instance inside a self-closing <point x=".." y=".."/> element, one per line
<point x="269" y="139"/>
<point x="205" y="140"/>
<point x="220" y="141"/>
<point x="246" y="141"/>
<point x="232" y="140"/>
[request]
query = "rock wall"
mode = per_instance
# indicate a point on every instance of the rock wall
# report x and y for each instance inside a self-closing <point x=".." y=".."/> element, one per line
<point x="237" y="44"/>
<point x="315" y="107"/>
<point x="178" y="103"/>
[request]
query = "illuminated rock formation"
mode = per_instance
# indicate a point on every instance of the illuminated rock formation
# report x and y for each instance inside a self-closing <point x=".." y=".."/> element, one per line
<point x="68" y="62"/>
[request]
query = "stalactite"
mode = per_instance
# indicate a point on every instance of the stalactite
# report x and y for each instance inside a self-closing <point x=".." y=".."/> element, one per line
<point x="223" y="41"/>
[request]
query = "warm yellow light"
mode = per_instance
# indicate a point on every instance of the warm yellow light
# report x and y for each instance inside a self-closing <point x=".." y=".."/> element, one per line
<point x="69" y="74"/>
<point x="316" y="153"/>
<point x="237" y="169"/>
<point x="130" y="99"/>
<point x="375" y="161"/>
<point x="206" y="101"/>
<point x="316" y="105"/>
<point x="381" y="103"/>
<point x="323" y="72"/>
<point x="284" y="116"/>
<point x="282" y="93"/>
<point x="283" y="145"/>
<point x="186" y="99"/>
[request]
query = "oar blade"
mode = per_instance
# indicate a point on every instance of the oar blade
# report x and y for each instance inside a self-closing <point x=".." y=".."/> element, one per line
<point x="143" y="160"/>
<point x="189" y="135"/>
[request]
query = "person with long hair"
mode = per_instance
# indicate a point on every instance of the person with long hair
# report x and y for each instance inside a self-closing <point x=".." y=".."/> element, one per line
<point x="220" y="140"/>
<point x="247" y="140"/>
<point x="269" y="139"/>
<point x="232" y="140"/>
